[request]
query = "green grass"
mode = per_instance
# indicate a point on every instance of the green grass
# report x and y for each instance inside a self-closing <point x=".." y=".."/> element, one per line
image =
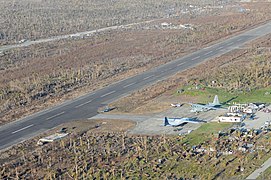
<point x="256" y="96"/>
<point x="206" y="95"/>
<point x="205" y="132"/>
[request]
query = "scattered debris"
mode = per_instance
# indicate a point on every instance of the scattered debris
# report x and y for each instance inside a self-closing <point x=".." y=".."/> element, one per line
<point x="107" y="109"/>
<point x="2" y="53"/>
<point x="180" y="91"/>
<point x="51" y="138"/>
<point x="186" y="26"/>
<point x="266" y="110"/>
<point x="22" y="41"/>
<point x="63" y="130"/>
<point x="176" y="105"/>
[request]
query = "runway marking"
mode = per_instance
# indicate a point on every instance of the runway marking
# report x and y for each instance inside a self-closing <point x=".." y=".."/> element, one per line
<point x="230" y="43"/>
<point x="83" y="104"/>
<point x="208" y="53"/>
<point x="128" y="85"/>
<point x="220" y="48"/>
<point x="195" y="57"/>
<point x="239" y="40"/>
<point x="108" y="93"/>
<point x="180" y="64"/>
<point x="22" y="129"/>
<point x="55" y="115"/>
<point x="148" y="77"/>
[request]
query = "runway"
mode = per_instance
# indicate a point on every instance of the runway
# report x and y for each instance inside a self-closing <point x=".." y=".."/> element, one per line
<point x="86" y="106"/>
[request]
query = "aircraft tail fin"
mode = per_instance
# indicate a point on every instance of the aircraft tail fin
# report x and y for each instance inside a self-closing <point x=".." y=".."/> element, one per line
<point x="166" y="123"/>
<point x="216" y="101"/>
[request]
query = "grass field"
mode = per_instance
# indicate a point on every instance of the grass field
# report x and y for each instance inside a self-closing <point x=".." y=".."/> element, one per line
<point x="266" y="174"/>
<point x="205" y="132"/>
<point x="206" y="95"/>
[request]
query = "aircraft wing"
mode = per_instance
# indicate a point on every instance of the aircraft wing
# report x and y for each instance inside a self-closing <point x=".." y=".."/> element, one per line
<point x="179" y="121"/>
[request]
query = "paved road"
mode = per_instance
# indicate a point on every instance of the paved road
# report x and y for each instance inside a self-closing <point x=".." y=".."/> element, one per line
<point x="86" y="106"/>
<point x="261" y="170"/>
<point x="75" y="35"/>
<point x="136" y="118"/>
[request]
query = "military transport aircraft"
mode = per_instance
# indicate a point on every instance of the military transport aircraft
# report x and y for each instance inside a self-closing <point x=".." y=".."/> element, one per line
<point x="180" y="121"/>
<point x="206" y="107"/>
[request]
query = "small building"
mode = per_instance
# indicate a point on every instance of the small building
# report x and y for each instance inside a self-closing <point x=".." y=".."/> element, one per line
<point x="245" y="108"/>
<point x="235" y="114"/>
<point x="229" y="118"/>
<point x="249" y="110"/>
<point x="237" y="108"/>
<point x="165" y="24"/>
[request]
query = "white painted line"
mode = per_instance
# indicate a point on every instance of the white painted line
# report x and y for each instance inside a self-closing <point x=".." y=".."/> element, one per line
<point x="83" y="104"/>
<point x="148" y="77"/>
<point x="55" y="115"/>
<point x="180" y="64"/>
<point x="195" y="57"/>
<point x="108" y="93"/>
<point x="22" y="129"/>
<point x="208" y="53"/>
<point x="128" y="85"/>
<point x="230" y="43"/>
<point x="220" y="48"/>
<point x="239" y="40"/>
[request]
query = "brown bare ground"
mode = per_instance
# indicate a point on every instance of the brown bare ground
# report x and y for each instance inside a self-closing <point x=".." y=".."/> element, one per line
<point x="33" y="79"/>
<point x="75" y="128"/>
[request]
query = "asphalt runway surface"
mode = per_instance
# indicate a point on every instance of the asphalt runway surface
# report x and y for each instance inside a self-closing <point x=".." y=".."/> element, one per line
<point x="86" y="106"/>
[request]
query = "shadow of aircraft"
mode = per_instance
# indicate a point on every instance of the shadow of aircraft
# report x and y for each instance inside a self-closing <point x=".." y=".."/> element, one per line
<point x="228" y="101"/>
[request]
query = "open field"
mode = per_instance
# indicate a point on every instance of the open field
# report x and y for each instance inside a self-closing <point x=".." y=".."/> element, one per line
<point x="206" y="94"/>
<point x="205" y="132"/>
<point x="266" y="174"/>
<point x="39" y="19"/>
